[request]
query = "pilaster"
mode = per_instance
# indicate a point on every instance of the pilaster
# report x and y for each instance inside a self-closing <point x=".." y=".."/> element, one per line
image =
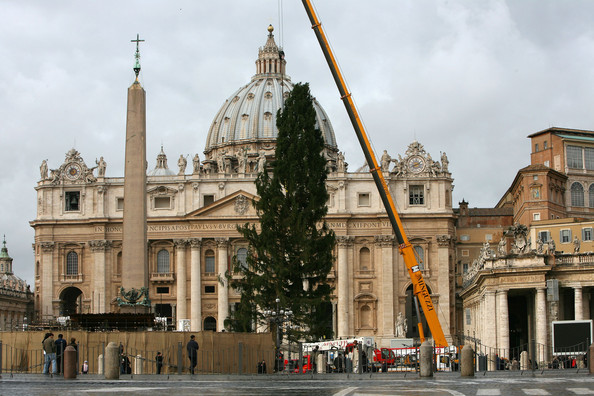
<point x="195" y="285"/>
<point x="181" y="293"/>
<point x="223" y="287"/>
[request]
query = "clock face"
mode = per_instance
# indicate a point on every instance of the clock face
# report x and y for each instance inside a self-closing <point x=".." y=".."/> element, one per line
<point x="73" y="171"/>
<point x="416" y="164"/>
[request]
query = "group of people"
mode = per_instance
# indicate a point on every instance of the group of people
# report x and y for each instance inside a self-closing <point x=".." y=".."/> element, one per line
<point x="53" y="351"/>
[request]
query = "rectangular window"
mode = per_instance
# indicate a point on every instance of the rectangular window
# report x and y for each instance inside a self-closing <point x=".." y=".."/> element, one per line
<point x="72" y="201"/>
<point x="536" y="216"/>
<point x="162" y="289"/>
<point x="589" y="158"/>
<point x="545" y="145"/>
<point x="416" y="195"/>
<point x="162" y="202"/>
<point x="209" y="289"/>
<point x="465" y="268"/>
<point x="587" y="234"/>
<point x="536" y="148"/>
<point x="119" y="203"/>
<point x="547" y="163"/>
<point x="574" y="157"/>
<point x="565" y="236"/>
<point x="465" y="237"/>
<point x="465" y="252"/>
<point x="208" y="199"/>
<point x="468" y="316"/>
<point x="488" y="237"/>
<point x="544" y="236"/>
<point x="364" y="199"/>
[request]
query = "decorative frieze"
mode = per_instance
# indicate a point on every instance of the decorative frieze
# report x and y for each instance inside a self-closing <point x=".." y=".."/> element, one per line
<point x="344" y="241"/>
<point x="222" y="242"/>
<point x="180" y="243"/>
<point x="100" y="245"/>
<point x="195" y="242"/>
<point x="384" y="240"/>
<point x="443" y="240"/>
<point x="47" y="247"/>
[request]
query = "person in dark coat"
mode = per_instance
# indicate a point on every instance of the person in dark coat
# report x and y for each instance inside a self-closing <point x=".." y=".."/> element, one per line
<point x="159" y="362"/>
<point x="192" y="348"/>
<point x="60" y="346"/>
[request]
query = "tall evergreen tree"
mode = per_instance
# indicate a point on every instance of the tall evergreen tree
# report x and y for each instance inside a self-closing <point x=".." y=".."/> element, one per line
<point x="290" y="253"/>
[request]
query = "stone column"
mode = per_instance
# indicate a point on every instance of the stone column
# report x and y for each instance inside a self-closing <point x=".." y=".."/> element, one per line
<point x="180" y="274"/>
<point x="503" y="324"/>
<point x="342" y="281"/>
<point x="442" y="269"/>
<point x="223" y="286"/>
<point x="47" y="281"/>
<point x="541" y="324"/>
<point x="195" y="286"/>
<point x="490" y="330"/>
<point x="386" y="242"/>
<point x="99" y="274"/>
<point x="579" y="308"/>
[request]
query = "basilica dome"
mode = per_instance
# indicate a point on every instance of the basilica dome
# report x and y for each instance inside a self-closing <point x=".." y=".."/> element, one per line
<point x="247" y="120"/>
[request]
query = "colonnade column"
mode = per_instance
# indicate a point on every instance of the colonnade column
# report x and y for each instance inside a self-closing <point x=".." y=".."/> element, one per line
<point x="490" y="329"/>
<point x="343" y="282"/>
<point x="180" y="259"/>
<point x="541" y="325"/>
<point x="195" y="285"/>
<point x="223" y="286"/>
<point x="579" y="308"/>
<point x="503" y="324"/>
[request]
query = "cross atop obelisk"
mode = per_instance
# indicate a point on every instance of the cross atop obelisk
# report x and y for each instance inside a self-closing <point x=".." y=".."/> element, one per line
<point x="137" y="55"/>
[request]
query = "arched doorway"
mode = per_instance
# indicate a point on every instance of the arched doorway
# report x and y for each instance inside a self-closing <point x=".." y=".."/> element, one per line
<point x="412" y="318"/>
<point x="70" y="301"/>
<point x="210" y="323"/>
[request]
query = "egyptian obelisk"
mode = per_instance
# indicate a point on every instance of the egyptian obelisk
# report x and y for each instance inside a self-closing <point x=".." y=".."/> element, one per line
<point x="134" y="244"/>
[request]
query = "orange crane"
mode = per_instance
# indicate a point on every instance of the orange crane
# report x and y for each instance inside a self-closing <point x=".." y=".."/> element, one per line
<point x="406" y="250"/>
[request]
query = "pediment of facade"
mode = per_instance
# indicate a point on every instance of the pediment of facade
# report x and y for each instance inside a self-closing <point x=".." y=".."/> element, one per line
<point x="237" y="204"/>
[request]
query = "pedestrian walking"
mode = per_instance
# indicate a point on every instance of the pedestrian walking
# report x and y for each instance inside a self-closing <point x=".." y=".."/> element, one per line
<point x="49" y="347"/>
<point x="60" y="346"/>
<point x="192" y="348"/>
<point x="159" y="361"/>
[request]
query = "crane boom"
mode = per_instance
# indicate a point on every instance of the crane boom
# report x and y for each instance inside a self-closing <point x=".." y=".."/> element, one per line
<point x="404" y="246"/>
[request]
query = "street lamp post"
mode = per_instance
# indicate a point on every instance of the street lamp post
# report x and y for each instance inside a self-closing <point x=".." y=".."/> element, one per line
<point x="279" y="318"/>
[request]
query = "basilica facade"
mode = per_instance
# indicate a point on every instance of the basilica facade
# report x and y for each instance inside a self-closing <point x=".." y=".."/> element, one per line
<point x="193" y="212"/>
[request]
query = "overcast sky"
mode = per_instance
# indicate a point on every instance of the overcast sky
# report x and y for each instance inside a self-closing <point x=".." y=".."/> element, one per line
<point x="471" y="78"/>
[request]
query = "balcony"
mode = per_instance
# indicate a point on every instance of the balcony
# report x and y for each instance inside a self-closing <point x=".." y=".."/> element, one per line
<point x="72" y="278"/>
<point x="162" y="277"/>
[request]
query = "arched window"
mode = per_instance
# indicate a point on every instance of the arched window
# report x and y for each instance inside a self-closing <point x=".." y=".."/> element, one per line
<point x="209" y="262"/>
<point x="420" y="253"/>
<point x="365" y="259"/>
<point x="72" y="263"/>
<point x="577" y="194"/>
<point x="591" y="194"/>
<point x="242" y="257"/>
<point x="210" y="323"/>
<point x="163" y="261"/>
